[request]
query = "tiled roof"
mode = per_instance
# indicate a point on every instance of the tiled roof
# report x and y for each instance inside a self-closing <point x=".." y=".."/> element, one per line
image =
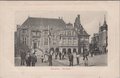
<point x="35" y="21"/>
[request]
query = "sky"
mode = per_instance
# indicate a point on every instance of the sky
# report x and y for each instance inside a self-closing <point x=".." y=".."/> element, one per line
<point x="90" y="20"/>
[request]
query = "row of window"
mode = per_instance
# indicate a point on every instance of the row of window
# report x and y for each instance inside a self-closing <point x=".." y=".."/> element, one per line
<point x="69" y="41"/>
<point x="69" y="33"/>
<point x="36" y="33"/>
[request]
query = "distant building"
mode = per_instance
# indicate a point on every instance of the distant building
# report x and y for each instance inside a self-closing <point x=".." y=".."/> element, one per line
<point x="45" y="34"/>
<point x="95" y="41"/>
<point x="103" y="37"/>
<point x="100" y="40"/>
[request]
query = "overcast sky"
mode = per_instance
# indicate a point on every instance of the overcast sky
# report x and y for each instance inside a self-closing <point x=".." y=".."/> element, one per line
<point x="89" y="19"/>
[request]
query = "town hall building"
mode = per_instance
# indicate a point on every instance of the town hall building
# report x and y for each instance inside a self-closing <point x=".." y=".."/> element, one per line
<point x="55" y="34"/>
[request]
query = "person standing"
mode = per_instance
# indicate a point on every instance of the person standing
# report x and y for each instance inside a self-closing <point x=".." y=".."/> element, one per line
<point x="23" y="55"/>
<point x="50" y="59"/>
<point x="77" y="57"/>
<point x="71" y="59"/>
<point x="56" y="54"/>
<point x="74" y="58"/>
<point x="91" y="52"/>
<point x="46" y="56"/>
<point x="85" y="54"/>
<point x="60" y="54"/>
<point x="33" y="59"/>
<point x="42" y="58"/>
<point x="85" y="58"/>
<point x="28" y="59"/>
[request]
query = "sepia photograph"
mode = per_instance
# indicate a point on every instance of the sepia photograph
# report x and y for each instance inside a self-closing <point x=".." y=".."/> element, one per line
<point x="61" y="38"/>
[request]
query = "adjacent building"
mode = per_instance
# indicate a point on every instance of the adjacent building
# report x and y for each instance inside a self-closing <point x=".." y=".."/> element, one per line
<point x="83" y="36"/>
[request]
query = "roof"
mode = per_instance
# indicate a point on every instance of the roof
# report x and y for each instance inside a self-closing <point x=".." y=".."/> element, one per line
<point x="81" y="31"/>
<point x="79" y="28"/>
<point x="84" y="31"/>
<point x="35" y="21"/>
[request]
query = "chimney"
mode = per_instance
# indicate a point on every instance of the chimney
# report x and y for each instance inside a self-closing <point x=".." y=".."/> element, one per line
<point x="78" y="17"/>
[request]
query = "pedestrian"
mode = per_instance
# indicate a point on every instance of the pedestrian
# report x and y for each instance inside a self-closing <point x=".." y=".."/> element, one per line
<point x="33" y="59"/>
<point x="28" y="59"/>
<point x="22" y="55"/>
<point x="42" y="58"/>
<point x="70" y="59"/>
<point x="60" y="54"/>
<point x="77" y="57"/>
<point x="46" y="56"/>
<point x="91" y="52"/>
<point x="56" y="55"/>
<point x="85" y="54"/>
<point x="50" y="59"/>
<point x="85" y="58"/>
<point x="74" y="58"/>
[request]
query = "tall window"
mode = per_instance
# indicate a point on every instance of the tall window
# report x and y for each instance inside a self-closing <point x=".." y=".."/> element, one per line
<point x="45" y="41"/>
<point x="24" y="40"/>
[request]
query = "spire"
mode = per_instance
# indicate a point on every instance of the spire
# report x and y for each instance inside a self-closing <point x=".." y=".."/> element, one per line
<point x="105" y="23"/>
<point x="104" y="19"/>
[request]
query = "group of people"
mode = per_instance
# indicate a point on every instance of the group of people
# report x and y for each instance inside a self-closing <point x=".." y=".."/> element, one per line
<point x="28" y="58"/>
<point x="74" y="57"/>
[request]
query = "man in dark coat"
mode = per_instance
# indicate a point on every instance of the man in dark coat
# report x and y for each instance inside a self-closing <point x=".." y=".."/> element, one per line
<point x="33" y="59"/>
<point x="85" y="54"/>
<point x="77" y="57"/>
<point x="50" y="59"/>
<point x="22" y="55"/>
<point x="71" y="59"/>
<point x="60" y="55"/>
<point x="28" y="59"/>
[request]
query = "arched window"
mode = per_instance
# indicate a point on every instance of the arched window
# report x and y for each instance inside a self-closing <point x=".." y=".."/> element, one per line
<point x="74" y="50"/>
<point x="69" y="51"/>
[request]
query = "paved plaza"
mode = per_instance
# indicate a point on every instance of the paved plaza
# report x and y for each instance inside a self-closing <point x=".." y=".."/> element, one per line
<point x="98" y="60"/>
